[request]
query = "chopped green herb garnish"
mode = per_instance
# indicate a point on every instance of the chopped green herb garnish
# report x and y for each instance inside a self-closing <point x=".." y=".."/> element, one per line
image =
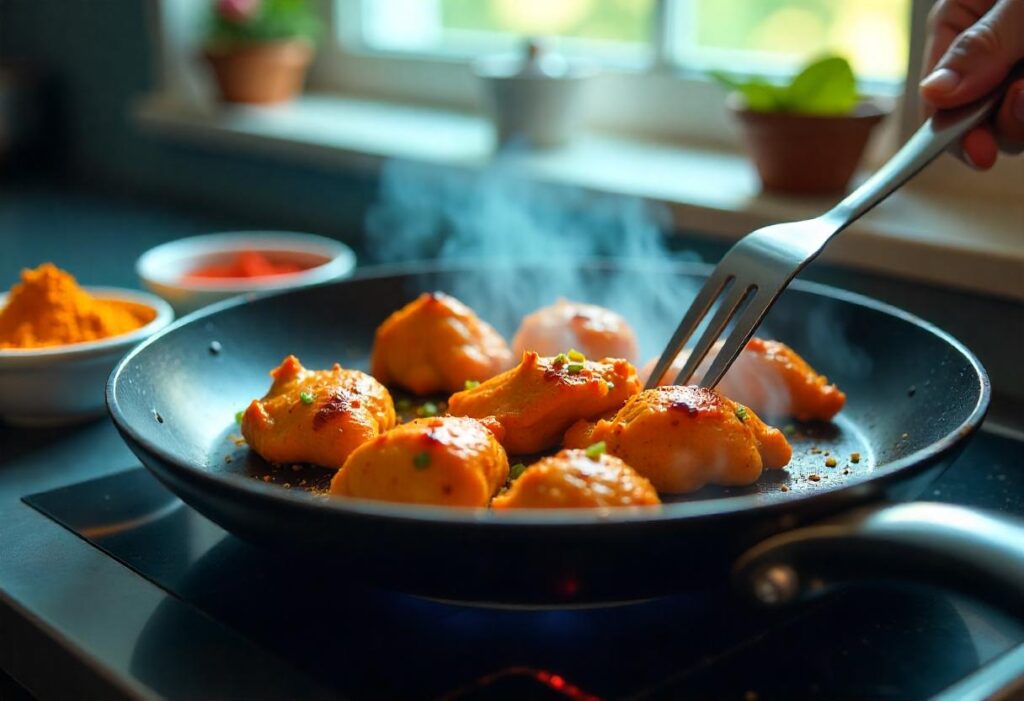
<point x="421" y="461"/>
<point x="472" y="384"/>
<point x="238" y="416"/>
<point x="561" y="359"/>
<point x="789" y="429"/>
<point x="576" y="356"/>
<point x="516" y="470"/>
<point x="574" y="368"/>
<point x="306" y="397"/>
<point x="428" y="409"/>
<point x="595" y="450"/>
<point x="404" y="404"/>
<point x="741" y="412"/>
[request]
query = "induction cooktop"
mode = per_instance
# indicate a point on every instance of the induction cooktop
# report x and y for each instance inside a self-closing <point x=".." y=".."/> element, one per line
<point x="320" y="633"/>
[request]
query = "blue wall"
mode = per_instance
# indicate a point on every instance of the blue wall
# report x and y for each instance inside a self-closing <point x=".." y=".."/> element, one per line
<point x="99" y="55"/>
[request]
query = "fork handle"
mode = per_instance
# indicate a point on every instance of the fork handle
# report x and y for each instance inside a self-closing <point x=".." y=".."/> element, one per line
<point x="933" y="137"/>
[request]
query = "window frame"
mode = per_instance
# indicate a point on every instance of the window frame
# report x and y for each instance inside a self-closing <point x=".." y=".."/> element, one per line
<point x="680" y="103"/>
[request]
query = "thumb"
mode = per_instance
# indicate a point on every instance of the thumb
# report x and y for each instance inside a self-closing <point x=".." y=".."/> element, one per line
<point x="979" y="58"/>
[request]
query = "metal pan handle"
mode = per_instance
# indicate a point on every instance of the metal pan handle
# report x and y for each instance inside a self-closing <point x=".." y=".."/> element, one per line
<point x="974" y="552"/>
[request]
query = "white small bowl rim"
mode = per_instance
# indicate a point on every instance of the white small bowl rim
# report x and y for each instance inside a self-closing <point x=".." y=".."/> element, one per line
<point x="164" y="316"/>
<point x="341" y="259"/>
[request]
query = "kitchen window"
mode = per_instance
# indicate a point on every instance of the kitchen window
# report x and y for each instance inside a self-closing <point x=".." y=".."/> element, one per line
<point x="761" y="37"/>
<point x="655" y="54"/>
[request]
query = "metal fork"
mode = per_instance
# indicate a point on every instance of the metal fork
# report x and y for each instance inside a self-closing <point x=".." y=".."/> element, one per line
<point x="755" y="271"/>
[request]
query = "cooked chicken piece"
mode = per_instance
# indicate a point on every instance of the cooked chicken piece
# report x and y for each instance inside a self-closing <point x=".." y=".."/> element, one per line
<point x="770" y="378"/>
<point x="445" y="460"/>
<point x="435" y="344"/>
<point x="594" y="331"/>
<point x="682" y="438"/>
<point x="541" y="397"/>
<point x="316" y="416"/>
<point x="571" y="479"/>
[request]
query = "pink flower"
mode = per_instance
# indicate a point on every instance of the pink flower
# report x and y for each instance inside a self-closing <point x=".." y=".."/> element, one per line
<point x="237" y="11"/>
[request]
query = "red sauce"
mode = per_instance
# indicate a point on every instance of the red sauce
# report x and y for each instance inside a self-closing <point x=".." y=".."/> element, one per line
<point x="246" y="264"/>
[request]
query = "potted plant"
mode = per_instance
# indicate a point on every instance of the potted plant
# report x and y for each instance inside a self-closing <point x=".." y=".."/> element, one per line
<point x="807" y="136"/>
<point x="259" y="50"/>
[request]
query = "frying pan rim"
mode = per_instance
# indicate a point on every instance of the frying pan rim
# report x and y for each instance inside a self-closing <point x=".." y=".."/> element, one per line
<point x="721" y="507"/>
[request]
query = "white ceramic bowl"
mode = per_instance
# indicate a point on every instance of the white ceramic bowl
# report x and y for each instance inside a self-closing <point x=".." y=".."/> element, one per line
<point x="65" y="384"/>
<point x="162" y="269"/>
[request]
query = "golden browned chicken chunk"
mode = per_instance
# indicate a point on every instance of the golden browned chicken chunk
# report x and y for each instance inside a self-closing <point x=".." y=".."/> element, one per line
<point x="682" y="438"/>
<point x="594" y="331"/>
<point x="540" y="398"/>
<point x="770" y="378"/>
<point x="436" y="344"/>
<point x="577" y="479"/>
<point x="446" y="460"/>
<point x="316" y="416"/>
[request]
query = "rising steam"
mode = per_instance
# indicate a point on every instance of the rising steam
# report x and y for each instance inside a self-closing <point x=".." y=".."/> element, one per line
<point x="509" y="225"/>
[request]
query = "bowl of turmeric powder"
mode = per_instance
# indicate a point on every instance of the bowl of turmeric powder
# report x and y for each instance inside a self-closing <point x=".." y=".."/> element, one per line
<point x="60" y="341"/>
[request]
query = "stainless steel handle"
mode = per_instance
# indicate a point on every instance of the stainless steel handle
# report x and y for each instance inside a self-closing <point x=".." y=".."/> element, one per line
<point x="971" y="551"/>
<point x="937" y="133"/>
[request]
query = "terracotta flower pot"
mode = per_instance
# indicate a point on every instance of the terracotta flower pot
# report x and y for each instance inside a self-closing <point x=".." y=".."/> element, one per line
<point x="806" y="154"/>
<point x="260" y="72"/>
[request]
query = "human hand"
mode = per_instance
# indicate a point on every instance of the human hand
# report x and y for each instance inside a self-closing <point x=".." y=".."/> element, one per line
<point x="972" y="46"/>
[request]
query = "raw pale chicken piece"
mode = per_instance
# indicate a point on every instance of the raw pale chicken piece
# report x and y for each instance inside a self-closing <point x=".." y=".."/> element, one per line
<point x="445" y="460"/>
<point x="541" y="397"/>
<point x="316" y="416"/>
<point x="572" y="479"/>
<point x="682" y="438"/>
<point x="594" y="331"/>
<point x="770" y="378"/>
<point x="435" y="344"/>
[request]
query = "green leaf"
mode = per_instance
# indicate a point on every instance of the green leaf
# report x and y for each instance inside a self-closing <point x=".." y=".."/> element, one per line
<point x="825" y="86"/>
<point x="761" y="96"/>
<point x="758" y="94"/>
<point x="515" y="471"/>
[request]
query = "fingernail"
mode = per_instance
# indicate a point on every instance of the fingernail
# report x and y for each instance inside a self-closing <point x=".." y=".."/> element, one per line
<point x="1018" y="106"/>
<point x="943" y="80"/>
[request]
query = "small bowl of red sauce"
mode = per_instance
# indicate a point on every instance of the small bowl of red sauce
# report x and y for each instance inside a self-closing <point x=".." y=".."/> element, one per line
<point x="193" y="272"/>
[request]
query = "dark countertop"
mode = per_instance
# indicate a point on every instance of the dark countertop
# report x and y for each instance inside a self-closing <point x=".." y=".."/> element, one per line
<point x="95" y="237"/>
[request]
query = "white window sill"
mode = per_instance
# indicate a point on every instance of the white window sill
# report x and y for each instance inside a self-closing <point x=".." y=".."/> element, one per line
<point x="964" y="241"/>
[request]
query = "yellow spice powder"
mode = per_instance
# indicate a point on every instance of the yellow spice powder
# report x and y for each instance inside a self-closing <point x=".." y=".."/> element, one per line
<point x="48" y="308"/>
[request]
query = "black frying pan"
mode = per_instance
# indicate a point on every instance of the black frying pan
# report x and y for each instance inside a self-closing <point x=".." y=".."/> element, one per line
<point x="915" y="395"/>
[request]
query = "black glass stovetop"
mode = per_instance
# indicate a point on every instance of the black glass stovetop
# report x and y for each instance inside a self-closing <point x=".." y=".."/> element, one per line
<point x="868" y="642"/>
